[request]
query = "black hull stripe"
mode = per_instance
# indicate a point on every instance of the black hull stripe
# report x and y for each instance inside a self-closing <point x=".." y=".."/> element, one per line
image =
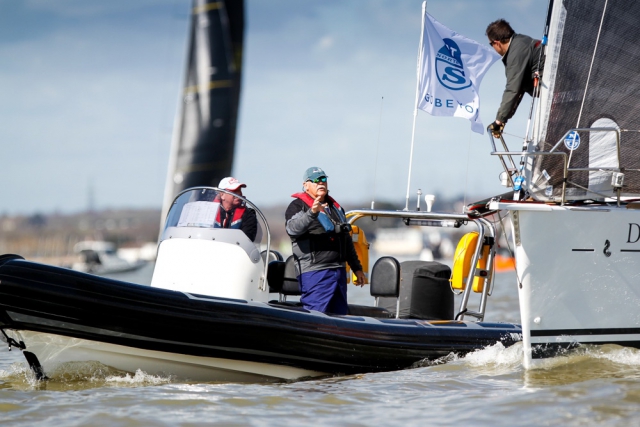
<point x="601" y="331"/>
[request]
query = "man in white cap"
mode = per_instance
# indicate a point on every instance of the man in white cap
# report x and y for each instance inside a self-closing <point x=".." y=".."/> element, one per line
<point x="321" y="246"/>
<point x="233" y="213"/>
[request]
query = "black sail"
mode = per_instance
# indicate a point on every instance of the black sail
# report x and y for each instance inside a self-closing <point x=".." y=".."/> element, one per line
<point x="591" y="80"/>
<point x="205" y="130"/>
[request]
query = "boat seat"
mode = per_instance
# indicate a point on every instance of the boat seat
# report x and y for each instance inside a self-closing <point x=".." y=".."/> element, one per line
<point x="283" y="279"/>
<point x="275" y="276"/>
<point x="273" y="256"/>
<point x="385" y="280"/>
<point x="290" y="285"/>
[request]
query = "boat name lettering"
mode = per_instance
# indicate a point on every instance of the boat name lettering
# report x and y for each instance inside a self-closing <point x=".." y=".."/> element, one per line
<point x="633" y="226"/>
<point x="447" y="103"/>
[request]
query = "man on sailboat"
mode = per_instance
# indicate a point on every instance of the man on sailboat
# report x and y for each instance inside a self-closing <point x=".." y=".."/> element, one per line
<point x="321" y="245"/>
<point x="233" y="213"/>
<point x="523" y="63"/>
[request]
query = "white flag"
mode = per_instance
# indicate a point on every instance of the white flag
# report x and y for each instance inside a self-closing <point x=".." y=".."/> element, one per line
<point x="450" y="69"/>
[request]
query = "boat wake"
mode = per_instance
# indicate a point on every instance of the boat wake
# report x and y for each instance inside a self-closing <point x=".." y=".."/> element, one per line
<point x="78" y="376"/>
<point x="586" y="363"/>
<point x="496" y="357"/>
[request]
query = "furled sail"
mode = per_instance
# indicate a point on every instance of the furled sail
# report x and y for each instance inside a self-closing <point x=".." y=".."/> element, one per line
<point x="205" y="129"/>
<point x="591" y="80"/>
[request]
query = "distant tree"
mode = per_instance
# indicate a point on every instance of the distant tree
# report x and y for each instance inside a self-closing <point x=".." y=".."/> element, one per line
<point x="37" y="220"/>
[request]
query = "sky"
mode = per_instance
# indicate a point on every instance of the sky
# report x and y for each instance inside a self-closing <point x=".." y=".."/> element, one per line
<point x="89" y="91"/>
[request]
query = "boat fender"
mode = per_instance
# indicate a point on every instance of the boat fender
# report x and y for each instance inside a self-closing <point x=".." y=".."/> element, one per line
<point x="462" y="262"/>
<point x="362" y="249"/>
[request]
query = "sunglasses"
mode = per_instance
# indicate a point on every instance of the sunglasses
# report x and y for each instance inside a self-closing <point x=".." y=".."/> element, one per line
<point x="317" y="180"/>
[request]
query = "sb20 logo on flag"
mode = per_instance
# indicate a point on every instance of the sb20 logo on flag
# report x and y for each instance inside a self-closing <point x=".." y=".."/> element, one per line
<point x="449" y="67"/>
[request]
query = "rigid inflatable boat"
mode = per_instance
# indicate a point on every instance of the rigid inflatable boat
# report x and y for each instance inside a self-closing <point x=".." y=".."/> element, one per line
<point x="217" y="307"/>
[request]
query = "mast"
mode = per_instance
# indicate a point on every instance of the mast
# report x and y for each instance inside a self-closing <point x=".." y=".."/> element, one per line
<point x="205" y="129"/>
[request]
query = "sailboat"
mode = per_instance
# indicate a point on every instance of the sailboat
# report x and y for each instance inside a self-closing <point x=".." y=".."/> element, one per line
<point x="205" y="130"/>
<point x="575" y="221"/>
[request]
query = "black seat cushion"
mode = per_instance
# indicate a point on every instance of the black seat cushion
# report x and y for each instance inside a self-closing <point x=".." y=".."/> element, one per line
<point x="275" y="276"/>
<point x="290" y="285"/>
<point x="385" y="278"/>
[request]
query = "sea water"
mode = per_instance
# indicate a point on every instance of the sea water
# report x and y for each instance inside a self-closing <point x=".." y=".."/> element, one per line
<point x="594" y="386"/>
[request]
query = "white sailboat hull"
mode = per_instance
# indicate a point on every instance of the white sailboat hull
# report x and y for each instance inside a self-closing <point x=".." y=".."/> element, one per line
<point x="578" y="275"/>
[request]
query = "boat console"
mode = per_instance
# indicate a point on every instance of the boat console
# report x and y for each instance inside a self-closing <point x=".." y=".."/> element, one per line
<point x="197" y="256"/>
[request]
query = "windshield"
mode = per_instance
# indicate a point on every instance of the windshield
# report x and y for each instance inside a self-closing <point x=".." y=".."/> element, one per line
<point x="213" y="208"/>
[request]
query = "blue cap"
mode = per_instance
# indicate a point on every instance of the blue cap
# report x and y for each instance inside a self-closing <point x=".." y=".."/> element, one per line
<point x="313" y="173"/>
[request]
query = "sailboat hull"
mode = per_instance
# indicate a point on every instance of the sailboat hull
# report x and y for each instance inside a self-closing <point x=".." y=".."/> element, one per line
<point x="578" y="282"/>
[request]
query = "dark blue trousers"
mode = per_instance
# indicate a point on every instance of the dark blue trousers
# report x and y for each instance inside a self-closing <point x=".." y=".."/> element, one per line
<point x="325" y="290"/>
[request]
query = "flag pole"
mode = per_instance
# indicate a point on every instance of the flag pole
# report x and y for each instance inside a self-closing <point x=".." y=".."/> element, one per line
<point x="415" y="110"/>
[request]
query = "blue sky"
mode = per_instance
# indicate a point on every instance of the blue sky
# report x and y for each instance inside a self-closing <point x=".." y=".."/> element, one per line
<point x="89" y="92"/>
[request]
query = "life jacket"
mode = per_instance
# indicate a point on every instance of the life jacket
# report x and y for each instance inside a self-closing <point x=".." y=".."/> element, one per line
<point x="236" y="220"/>
<point x="325" y="220"/>
<point x="309" y="200"/>
<point x="321" y="244"/>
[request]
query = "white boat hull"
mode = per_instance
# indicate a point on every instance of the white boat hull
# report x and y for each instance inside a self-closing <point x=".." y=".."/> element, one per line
<point x="578" y="275"/>
<point x="55" y="350"/>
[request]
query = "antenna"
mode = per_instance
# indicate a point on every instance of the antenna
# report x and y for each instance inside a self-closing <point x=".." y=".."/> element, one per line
<point x="90" y="197"/>
<point x="375" y="165"/>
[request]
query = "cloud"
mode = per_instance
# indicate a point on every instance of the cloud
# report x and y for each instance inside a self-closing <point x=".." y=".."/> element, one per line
<point x="90" y="91"/>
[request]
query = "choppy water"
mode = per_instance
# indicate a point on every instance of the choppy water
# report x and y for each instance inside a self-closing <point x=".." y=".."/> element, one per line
<point x="595" y="386"/>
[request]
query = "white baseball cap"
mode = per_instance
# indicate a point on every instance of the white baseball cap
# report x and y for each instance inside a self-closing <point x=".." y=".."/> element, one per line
<point x="230" y="183"/>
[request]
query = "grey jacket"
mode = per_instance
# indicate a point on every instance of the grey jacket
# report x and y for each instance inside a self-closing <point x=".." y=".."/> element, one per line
<point x="314" y="248"/>
<point x="520" y="65"/>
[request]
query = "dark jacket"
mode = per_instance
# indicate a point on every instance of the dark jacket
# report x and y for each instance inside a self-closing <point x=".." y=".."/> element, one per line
<point x="247" y="221"/>
<point x="315" y="248"/>
<point x="520" y="64"/>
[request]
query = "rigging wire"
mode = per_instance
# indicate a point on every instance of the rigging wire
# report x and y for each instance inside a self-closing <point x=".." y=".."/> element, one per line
<point x="586" y="86"/>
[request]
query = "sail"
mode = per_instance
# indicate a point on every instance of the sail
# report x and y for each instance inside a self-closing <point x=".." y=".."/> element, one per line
<point x="591" y="80"/>
<point x="205" y="130"/>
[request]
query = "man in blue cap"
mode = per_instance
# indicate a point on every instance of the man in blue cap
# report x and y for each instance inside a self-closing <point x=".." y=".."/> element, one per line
<point x="321" y="244"/>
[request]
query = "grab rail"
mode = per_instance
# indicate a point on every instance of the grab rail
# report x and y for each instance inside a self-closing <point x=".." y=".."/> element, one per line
<point x="431" y="219"/>
<point x="566" y="158"/>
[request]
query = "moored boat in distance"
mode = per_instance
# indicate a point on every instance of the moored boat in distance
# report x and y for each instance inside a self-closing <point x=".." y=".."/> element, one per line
<point x="100" y="257"/>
